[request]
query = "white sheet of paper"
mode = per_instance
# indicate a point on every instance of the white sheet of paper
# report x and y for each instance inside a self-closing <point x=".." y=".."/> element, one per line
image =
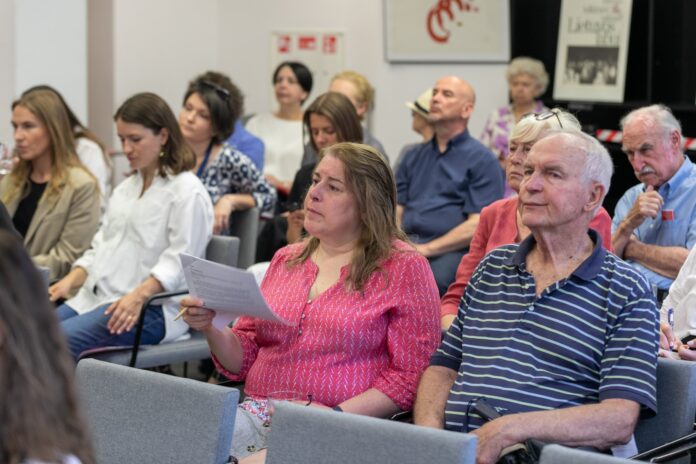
<point x="230" y="292"/>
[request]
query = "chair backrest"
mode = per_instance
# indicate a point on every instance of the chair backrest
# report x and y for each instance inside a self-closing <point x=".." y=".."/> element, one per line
<point x="245" y="225"/>
<point x="676" y="405"/>
<point x="224" y="250"/>
<point x="554" y="454"/>
<point x="141" y="416"/>
<point x="304" y="434"/>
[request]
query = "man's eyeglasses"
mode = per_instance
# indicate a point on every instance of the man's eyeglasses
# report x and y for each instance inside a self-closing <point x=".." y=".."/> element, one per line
<point x="545" y="116"/>
<point x="221" y="91"/>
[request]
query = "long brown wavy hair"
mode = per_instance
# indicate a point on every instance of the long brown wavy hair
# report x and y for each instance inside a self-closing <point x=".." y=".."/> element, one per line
<point x="47" y="107"/>
<point x="39" y="413"/>
<point x="371" y="181"/>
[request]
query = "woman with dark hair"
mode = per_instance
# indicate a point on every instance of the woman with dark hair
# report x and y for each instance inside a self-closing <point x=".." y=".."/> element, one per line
<point x="330" y="119"/>
<point x="91" y="151"/>
<point x="212" y="105"/>
<point x="52" y="198"/>
<point x="159" y="211"/>
<point x="281" y="131"/>
<point x="40" y="419"/>
<point x="363" y="305"/>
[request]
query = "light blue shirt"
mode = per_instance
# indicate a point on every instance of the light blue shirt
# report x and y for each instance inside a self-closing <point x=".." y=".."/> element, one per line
<point x="675" y="226"/>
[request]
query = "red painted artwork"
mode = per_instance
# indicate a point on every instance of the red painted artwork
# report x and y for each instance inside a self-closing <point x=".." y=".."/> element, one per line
<point x="443" y="14"/>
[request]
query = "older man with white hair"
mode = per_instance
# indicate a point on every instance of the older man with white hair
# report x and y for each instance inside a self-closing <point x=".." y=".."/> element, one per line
<point x="557" y="334"/>
<point x="654" y="224"/>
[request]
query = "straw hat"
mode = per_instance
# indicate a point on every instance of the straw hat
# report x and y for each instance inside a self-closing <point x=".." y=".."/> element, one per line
<point x="422" y="104"/>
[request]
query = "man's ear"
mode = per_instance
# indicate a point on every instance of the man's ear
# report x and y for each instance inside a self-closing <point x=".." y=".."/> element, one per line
<point x="675" y="141"/>
<point x="596" y="197"/>
<point x="467" y="110"/>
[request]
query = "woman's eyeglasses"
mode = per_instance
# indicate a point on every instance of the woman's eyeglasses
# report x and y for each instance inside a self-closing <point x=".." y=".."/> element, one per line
<point x="221" y="91"/>
<point x="545" y="116"/>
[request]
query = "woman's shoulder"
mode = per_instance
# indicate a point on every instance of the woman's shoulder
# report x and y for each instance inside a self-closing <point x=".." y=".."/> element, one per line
<point x="230" y="155"/>
<point x="403" y="254"/>
<point x="290" y="252"/>
<point x="79" y="176"/>
<point x="501" y="112"/>
<point x="185" y="179"/>
<point x="259" y="120"/>
<point x="83" y="144"/>
<point x="502" y="206"/>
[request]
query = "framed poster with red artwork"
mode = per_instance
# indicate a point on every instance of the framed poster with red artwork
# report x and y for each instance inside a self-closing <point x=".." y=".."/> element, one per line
<point x="447" y="30"/>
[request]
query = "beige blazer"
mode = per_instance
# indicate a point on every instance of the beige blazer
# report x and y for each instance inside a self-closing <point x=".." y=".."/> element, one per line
<point x="61" y="230"/>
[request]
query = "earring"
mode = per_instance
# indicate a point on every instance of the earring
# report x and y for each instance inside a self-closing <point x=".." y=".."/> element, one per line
<point x="161" y="155"/>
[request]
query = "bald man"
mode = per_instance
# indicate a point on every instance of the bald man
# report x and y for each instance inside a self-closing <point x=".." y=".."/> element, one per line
<point x="444" y="183"/>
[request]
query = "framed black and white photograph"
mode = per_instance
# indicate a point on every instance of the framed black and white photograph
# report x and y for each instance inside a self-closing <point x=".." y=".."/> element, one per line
<point x="447" y="31"/>
<point x="592" y="50"/>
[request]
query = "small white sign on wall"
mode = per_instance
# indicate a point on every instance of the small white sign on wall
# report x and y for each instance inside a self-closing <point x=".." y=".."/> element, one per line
<point x="323" y="52"/>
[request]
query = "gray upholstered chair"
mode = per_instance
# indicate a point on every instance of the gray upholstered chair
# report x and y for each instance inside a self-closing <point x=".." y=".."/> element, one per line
<point x="245" y="225"/>
<point x="221" y="249"/>
<point x="557" y="454"/>
<point x="304" y="434"/>
<point x="139" y="416"/>
<point x="676" y="405"/>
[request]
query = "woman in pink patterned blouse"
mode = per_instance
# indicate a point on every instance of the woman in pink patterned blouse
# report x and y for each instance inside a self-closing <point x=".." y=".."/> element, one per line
<point x="363" y="303"/>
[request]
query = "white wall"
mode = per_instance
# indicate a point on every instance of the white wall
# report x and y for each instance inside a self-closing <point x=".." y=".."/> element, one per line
<point x="245" y="52"/>
<point x="51" y="48"/>
<point x="42" y="42"/>
<point x="7" y="66"/>
<point x="159" y="45"/>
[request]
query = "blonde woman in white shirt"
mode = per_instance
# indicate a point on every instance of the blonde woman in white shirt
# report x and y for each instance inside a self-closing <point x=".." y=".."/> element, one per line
<point x="155" y="214"/>
<point x="281" y="131"/>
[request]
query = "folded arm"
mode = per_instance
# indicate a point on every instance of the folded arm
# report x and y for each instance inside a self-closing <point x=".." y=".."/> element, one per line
<point x="456" y="239"/>
<point x="664" y="260"/>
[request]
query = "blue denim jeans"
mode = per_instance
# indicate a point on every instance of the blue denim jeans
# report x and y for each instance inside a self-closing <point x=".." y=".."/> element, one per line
<point x="88" y="330"/>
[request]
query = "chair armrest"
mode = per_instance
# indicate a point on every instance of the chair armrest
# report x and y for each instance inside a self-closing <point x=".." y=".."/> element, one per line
<point x="155" y="299"/>
<point x="150" y="302"/>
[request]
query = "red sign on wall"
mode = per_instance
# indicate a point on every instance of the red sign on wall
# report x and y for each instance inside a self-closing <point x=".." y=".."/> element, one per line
<point x="284" y="44"/>
<point x="329" y="44"/>
<point x="307" y="42"/>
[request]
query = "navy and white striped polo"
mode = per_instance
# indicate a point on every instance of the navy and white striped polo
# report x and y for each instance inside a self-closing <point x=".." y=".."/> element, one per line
<point x="586" y="338"/>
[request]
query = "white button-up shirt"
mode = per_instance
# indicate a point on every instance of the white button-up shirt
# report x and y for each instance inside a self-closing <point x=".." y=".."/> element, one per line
<point x="682" y="299"/>
<point x="142" y="236"/>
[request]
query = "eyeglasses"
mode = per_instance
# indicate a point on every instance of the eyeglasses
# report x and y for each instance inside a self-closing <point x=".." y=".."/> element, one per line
<point x="545" y="116"/>
<point x="222" y="92"/>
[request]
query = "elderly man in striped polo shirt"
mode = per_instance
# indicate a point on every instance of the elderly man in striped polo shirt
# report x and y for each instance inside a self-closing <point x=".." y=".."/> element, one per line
<point x="557" y="334"/>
